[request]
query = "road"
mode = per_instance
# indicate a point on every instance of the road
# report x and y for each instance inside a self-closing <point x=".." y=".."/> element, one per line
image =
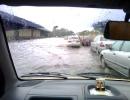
<point x="52" y="55"/>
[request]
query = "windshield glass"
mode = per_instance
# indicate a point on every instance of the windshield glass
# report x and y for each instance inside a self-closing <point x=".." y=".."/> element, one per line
<point x="62" y="39"/>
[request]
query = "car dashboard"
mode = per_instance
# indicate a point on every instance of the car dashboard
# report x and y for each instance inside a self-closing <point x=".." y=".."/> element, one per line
<point x="65" y="90"/>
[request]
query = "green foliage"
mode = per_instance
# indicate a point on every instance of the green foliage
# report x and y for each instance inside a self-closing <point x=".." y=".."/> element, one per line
<point x="100" y="26"/>
<point x="62" y="32"/>
<point x="86" y="32"/>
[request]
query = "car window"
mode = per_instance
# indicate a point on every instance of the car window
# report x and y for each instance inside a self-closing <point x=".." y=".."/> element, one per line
<point x="126" y="46"/>
<point x="74" y="37"/>
<point x="117" y="45"/>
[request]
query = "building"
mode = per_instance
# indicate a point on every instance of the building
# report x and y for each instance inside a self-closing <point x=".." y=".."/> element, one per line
<point x="22" y="34"/>
<point x="19" y="28"/>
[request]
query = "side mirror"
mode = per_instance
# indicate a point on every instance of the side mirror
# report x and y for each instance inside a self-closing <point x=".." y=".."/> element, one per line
<point x="109" y="46"/>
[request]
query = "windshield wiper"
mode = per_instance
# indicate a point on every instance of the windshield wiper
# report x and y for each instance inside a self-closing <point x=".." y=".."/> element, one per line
<point x="46" y="74"/>
<point x="97" y="75"/>
<point x="92" y="76"/>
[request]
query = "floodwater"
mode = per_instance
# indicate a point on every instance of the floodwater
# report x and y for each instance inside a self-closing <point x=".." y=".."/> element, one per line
<point x="52" y="55"/>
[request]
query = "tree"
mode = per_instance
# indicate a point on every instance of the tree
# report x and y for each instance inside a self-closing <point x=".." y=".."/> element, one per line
<point x="62" y="32"/>
<point x="86" y="32"/>
<point x="100" y="26"/>
<point x="54" y="30"/>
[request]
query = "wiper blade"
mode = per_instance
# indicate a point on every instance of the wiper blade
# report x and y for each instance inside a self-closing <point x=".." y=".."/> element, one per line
<point x="46" y="74"/>
<point x="107" y="76"/>
<point x="96" y="75"/>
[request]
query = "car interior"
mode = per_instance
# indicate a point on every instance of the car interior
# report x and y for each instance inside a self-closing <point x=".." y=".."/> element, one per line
<point x="14" y="88"/>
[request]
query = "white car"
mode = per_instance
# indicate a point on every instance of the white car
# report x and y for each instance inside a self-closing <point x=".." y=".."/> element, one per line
<point x="73" y="41"/>
<point x="117" y="57"/>
<point x="100" y="43"/>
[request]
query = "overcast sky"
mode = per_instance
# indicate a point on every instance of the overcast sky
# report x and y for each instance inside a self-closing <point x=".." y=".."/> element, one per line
<point x="72" y="18"/>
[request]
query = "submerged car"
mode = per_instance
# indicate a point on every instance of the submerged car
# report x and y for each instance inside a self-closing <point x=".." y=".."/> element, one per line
<point x="100" y="43"/>
<point x="117" y="57"/>
<point x="73" y="41"/>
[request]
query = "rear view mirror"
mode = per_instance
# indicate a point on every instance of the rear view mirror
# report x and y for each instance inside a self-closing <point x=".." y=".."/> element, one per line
<point x="117" y="30"/>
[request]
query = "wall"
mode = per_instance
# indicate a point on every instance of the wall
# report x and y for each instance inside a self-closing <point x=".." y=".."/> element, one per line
<point x="22" y="34"/>
<point x="36" y="33"/>
<point x="10" y="34"/>
<point x="25" y="33"/>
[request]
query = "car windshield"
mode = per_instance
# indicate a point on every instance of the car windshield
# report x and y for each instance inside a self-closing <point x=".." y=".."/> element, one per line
<point x="38" y="40"/>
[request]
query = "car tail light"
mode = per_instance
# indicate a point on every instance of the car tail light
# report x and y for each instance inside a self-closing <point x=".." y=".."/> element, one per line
<point x="102" y="45"/>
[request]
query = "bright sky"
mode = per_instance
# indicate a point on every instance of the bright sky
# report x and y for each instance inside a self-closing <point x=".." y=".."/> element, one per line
<point x="72" y="18"/>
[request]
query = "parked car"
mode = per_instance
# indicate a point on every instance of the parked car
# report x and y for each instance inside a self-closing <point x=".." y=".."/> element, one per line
<point x="100" y="43"/>
<point x="117" y="57"/>
<point x="73" y="41"/>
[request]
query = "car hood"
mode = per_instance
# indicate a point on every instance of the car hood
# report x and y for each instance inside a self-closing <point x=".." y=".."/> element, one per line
<point x="104" y="51"/>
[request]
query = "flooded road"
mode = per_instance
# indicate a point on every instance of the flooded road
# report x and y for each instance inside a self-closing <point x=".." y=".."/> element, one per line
<point x="52" y="55"/>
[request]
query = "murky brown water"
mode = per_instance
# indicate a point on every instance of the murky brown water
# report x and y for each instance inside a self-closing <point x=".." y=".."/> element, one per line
<point x="52" y="54"/>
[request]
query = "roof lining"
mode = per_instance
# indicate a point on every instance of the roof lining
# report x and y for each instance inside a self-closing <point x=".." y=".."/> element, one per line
<point x="113" y="4"/>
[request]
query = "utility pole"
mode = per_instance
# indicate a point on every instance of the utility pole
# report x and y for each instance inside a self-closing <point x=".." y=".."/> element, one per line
<point x="54" y="30"/>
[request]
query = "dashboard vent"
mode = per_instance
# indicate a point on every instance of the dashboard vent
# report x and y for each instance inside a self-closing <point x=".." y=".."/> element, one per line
<point x="50" y="98"/>
<point x="29" y="83"/>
